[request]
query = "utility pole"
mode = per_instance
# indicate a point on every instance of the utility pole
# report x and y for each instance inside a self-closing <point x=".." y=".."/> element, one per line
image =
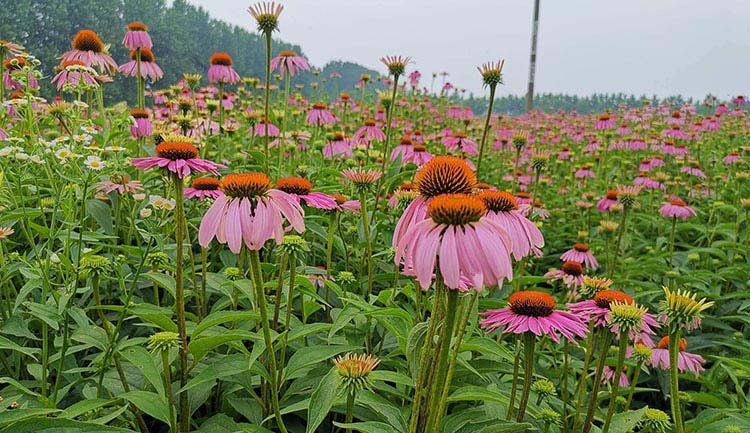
<point x="532" y="63"/>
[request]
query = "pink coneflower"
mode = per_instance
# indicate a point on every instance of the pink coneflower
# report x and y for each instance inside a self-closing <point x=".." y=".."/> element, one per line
<point x="13" y="68"/>
<point x="693" y="170"/>
<point x="338" y="146"/>
<point x="685" y="361"/>
<point x="677" y="208"/>
<point x="260" y="128"/>
<point x="137" y="37"/>
<point x="249" y="213"/>
<point x="465" y="243"/>
<point x="732" y="158"/>
<point x="571" y="273"/>
<point x="584" y="172"/>
<point x="203" y="188"/>
<point x="289" y="62"/>
<point x="604" y="122"/>
<point x="75" y="73"/>
<point x="535" y="312"/>
<point x="581" y="253"/>
<point x="414" y="79"/>
<point x="441" y="175"/>
<point x="149" y="68"/>
<point x="178" y="157"/>
<point x="459" y="142"/>
<point x="370" y="131"/>
<point x="119" y="184"/>
<point x="405" y="148"/>
<point x="142" y="127"/>
<point x="319" y="115"/>
<point x="343" y="203"/>
<point x="609" y="375"/>
<point x="419" y="157"/>
<point x="88" y="48"/>
<point x="525" y="237"/>
<point x="598" y="311"/>
<point x="609" y="200"/>
<point x="362" y="178"/>
<point x="739" y="100"/>
<point x="300" y="188"/>
<point x="221" y="70"/>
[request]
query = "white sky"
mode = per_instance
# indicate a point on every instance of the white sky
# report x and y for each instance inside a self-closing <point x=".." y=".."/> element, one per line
<point x="689" y="47"/>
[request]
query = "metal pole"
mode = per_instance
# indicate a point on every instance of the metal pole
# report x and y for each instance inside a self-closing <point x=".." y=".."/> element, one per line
<point x="532" y="63"/>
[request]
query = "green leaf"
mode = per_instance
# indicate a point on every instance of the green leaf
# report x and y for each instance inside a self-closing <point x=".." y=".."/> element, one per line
<point x="625" y="422"/>
<point x="12" y="416"/>
<point x="54" y="425"/>
<point x="146" y="364"/>
<point x="201" y="346"/>
<point x="164" y="281"/>
<point x="157" y="316"/>
<point x="307" y="356"/>
<point x="368" y="427"/>
<point x="322" y="399"/>
<point x="228" y="366"/>
<point x="221" y="423"/>
<point x="102" y="213"/>
<point x="84" y="406"/>
<point x="221" y="317"/>
<point x="151" y="403"/>
<point x="10" y="345"/>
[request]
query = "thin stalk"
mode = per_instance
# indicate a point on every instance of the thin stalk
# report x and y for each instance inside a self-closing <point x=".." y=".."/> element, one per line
<point x="350" y="396"/>
<point x="486" y="130"/>
<point x="368" y="243"/>
<point x="622" y="350"/>
<point x="260" y="299"/>
<point x="289" y="308"/>
<point x="180" y="299"/>
<point x="633" y="384"/>
<point x="671" y="241"/>
<point x="529" y="340"/>
<point x="514" y="382"/>
<point x="279" y="291"/>
<point x="589" y="421"/>
<point x="674" y="381"/>
<point x="268" y="95"/>
<point x="618" y="242"/>
<point x="584" y="371"/>
<point x="434" y="415"/>
<point x="168" y="387"/>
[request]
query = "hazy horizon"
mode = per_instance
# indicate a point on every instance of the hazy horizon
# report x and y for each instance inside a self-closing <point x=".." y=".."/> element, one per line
<point x="638" y="47"/>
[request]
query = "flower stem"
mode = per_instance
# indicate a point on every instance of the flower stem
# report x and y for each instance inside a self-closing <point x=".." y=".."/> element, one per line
<point x="368" y="243"/>
<point x="622" y="350"/>
<point x="529" y="340"/>
<point x="288" y="319"/>
<point x="671" y="241"/>
<point x="349" y="408"/>
<point x="260" y="299"/>
<point x="618" y="242"/>
<point x="168" y="387"/>
<point x="674" y="381"/>
<point x="633" y="384"/>
<point x="434" y="415"/>
<point x="606" y="342"/>
<point x="180" y="299"/>
<point x="268" y="95"/>
<point x="486" y="130"/>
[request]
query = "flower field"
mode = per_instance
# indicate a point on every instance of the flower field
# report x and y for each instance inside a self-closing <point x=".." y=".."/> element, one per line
<point x="246" y="254"/>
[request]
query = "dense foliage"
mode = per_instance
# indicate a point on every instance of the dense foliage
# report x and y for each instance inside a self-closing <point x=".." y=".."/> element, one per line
<point x="228" y="256"/>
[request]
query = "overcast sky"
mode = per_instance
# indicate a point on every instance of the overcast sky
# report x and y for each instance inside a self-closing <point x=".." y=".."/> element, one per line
<point x="689" y="47"/>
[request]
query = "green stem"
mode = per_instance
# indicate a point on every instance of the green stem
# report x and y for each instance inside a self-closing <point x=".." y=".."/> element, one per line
<point x="268" y="95"/>
<point x="350" y="396"/>
<point x="282" y="141"/>
<point x="180" y="299"/>
<point x="671" y="241"/>
<point x="618" y="242"/>
<point x="289" y="309"/>
<point x="514" y="382"/>
<point x="606" y="342"/>
<point x="168" y="387"/>
<point x="674" y="381"/>
<point x="633" y="384"/>
<point x="260" y="299"/>
<point x="622" y="350"/>
<point x="368" y="243"/>
<point x="421" y="382"/>
<point x="279" y="291"/>
<point x="486" y="130"/>
<point x="584" y="371"/>
<point x="529" y="340"/>
<point x="434" y="415"/>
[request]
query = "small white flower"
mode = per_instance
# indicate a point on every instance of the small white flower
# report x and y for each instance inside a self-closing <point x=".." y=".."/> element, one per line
<point x="157" y="201"/>
<point x="145" y="212"/>
<point x="5" y="151"/>
<point x="94" y="163"/>
<point x="89" y="129"/>
<point x="139" y="197"/>
<point x="54" y="258"/>
<point x="36" y="159"/>
<point x="64" y="153"/>
<point x="114" y="148"/>
<point x="22" y="156"/>
<point x="169" y="204"/>
<point x="81" y="104"/>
